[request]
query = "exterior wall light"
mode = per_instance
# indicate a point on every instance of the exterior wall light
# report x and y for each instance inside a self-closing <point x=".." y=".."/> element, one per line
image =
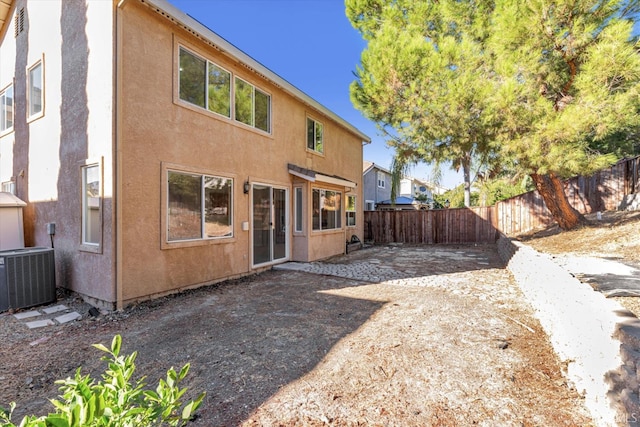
<point x="246" y="187"/>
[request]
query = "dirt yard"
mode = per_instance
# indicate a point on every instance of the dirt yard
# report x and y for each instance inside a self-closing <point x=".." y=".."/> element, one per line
<point x="615" y="237"/>
<point x="442" y="337"/>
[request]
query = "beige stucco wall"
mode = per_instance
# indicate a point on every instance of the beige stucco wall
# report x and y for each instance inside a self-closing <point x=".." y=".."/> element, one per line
<point x="156" y="131"/>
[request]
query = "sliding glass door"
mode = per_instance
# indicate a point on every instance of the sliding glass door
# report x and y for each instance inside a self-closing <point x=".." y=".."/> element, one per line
<point x="269" y="223"/>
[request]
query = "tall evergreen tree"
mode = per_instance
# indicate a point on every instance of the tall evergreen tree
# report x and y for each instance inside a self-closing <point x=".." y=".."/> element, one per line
<point x="549" y="83"/>
<point x="570" y="85"/>
<point x="425" y="80"/>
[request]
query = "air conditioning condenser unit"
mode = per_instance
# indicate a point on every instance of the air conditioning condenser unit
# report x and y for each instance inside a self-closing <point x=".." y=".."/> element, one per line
<point x="27" y="278"/>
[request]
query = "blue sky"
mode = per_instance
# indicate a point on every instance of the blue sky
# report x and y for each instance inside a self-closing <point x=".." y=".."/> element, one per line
<point x="309" y="43"/>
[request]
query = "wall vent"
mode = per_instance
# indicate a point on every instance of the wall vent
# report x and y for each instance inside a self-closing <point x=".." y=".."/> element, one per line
<point x="27" y="278"/>
<point x="19" y="27"/>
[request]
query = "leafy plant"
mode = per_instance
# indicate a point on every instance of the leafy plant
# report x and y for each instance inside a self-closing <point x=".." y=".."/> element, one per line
<point x="115" y="401"/>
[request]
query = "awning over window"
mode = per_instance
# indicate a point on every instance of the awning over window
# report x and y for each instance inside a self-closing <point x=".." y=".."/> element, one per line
<point x="313" y="176"/>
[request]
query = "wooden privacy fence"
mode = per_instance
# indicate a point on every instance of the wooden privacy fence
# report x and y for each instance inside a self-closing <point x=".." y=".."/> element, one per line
<point x="473" y="225"/>
<point x="602" y="191"/>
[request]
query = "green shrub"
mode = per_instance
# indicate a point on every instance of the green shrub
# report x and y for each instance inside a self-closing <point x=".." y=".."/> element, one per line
<point x="116" y="400"/>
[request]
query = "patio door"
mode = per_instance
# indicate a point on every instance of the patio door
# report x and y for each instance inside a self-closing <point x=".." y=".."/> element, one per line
<point x="269" y="217"/>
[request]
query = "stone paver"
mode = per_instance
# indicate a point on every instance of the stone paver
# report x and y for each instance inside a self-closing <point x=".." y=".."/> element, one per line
<point x="27" y="314"/>
<point x="55" y="309"/>
<point x="40" y="323"/>
<point x="68" y="317"/>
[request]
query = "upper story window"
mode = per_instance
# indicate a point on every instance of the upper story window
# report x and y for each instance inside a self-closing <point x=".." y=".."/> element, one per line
<point x="35" y="90"/>
<point x="381" y="180"/>
<point x="204" y="84"/>
<point x="253" y="107"/>
<point x="6" y="109"/>
<point x="314" y="135"/>
<point x="207" y="85"/>
<point x="199" y="206"/>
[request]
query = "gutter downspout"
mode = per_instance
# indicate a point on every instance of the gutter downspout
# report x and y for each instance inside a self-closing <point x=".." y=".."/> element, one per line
<point x="117" y="155"/>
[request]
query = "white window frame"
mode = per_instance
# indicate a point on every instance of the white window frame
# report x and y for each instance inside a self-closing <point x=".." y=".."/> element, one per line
<point x="233" y="78"/>
<point x="370" y="204"/>
<point x="254" y="89"/>
<point x="32" y="115"/>
<point x="317" y="148"/>
<point x="382" y="182"/>
<point x="4" y="128"/>
<point x="203" y="234"/>
<point x="351" y="213"/>
<point x="298" y="217"/>
<point x="208" y="64"/>
<point x="338" y="212"/>
<point x="87" y="205"/>
<point x="8" y="187"/>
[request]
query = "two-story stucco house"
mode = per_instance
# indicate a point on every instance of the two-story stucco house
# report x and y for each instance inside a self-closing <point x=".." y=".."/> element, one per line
<point x="376" y="183"/>
<point x="166" y="157"/>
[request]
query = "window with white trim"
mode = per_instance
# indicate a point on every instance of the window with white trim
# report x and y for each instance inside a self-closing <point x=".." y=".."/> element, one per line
<point x="381" y="180"/>
<point x="6" y="109"/>
<point x="370" y="205"/>
<point x="8" y="187"/>
<point x="35" y="94"/>
<point x="327" y="209"/>
<point x="351" y="211"/>
<point x="253" y="106"/>
<point x="207" y="85"/>
<point x="314" y="135"/>
<point x="91" y="203"/>
<point x="298" y="209"/>
<point x="204" y="84"/>
<point x="199" y="206"/>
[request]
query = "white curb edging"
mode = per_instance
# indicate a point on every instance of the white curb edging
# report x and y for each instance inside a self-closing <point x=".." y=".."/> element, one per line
<point x="597" y="338"/>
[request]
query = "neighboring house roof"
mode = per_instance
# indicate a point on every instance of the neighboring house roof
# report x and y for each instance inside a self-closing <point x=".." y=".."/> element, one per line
<point x="400" y="200"/>
<point x="367" y="166"/>
<point x="197" y="29"/>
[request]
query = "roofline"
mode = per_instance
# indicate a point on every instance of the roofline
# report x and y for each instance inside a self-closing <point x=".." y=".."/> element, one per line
<point x="375" y="165"/>
<point x="199" y="30"/>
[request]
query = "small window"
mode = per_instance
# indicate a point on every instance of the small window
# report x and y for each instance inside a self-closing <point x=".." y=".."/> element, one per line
<point x="314" y="136"/>
<point x="381" y="180"/>
<point x="6" y="109"/>
<point x="199" y="207"/>
<point x="91" y="203"/>
<point x="35" y="94"/>
<point x="351" y="211"/>
<point x="253" y="107"/>
<point x="8" y="187"/>
<point x="370" y="205"/>
<point x="327" y="209"/>
<point x="298" y="206"/>
<point x="204" y="84"/>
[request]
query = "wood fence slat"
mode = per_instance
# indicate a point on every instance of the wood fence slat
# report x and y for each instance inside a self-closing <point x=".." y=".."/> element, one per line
<point x="601" y="191"/>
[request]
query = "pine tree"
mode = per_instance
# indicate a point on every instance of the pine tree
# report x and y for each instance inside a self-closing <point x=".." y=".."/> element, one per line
<point x="547" y="86"/>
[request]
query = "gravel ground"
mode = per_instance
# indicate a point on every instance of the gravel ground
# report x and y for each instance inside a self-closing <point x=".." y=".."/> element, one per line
<point x="447" y="340"/>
